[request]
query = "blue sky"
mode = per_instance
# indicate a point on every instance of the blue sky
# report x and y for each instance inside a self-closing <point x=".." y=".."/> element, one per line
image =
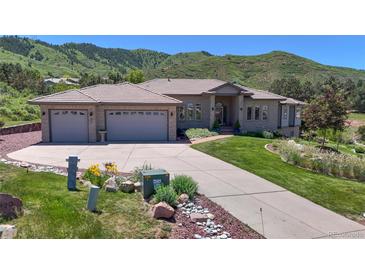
<point x="346" y="51"/>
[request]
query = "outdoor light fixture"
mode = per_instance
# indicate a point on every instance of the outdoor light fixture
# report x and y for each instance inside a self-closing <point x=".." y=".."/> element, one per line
<point x="91" y="113"/>
<point x="171" y="114"/>
<point x="241" y="109"/>
<point x="43" y="113"/>
<point x="212" y="108"/>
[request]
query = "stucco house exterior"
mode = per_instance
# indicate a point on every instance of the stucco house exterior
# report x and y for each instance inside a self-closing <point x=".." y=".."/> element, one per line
<point x="155" y="109"/>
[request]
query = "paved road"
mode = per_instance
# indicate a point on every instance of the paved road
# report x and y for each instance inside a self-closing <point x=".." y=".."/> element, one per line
<point x="285" y="214"/>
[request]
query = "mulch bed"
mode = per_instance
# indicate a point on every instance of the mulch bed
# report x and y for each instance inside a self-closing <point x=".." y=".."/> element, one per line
<point x="187" y="228"/>
<point x="14" y="142"/>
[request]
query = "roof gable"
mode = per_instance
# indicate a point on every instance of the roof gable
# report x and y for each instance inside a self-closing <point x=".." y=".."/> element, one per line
<point x="182" y="86"/>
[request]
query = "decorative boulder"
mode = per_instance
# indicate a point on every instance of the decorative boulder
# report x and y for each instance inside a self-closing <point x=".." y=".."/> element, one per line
<point x="198" y="217"/>
<point x="10" y="206"/>
<point x="7" y="231"/>
<point x="210" y="216"/>
<point x="183" y="198"/>
<point x="111" y="185"/>
<point x="127" y="186"/>
<point x="138" y="186"/>
<point x="162" y="210"/>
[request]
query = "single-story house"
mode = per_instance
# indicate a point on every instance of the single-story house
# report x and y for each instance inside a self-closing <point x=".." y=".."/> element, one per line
<point x="156" y="109"/>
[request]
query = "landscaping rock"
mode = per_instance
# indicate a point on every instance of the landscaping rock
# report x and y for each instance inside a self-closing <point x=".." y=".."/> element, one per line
<point x="198" y="217"/>
<point x="7" y="231"/>
<point x="138" y="186"/>
<point x="210" y="216"/>
<point x="25" y="165"/>
<point x="162" y="210"/>
<point x="111" y="185"/>
<point x="127" y="186"/>
<point x="10" y="206"/>
<point x="197" y="236"/>
<point x="183" y="198"/>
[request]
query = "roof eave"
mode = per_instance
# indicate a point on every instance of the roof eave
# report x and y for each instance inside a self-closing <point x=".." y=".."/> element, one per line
<point x="31" y="102"/>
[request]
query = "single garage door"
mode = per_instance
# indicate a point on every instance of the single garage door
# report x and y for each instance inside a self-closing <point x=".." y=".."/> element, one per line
<point x="124" y="125"/>
<point x="69" y="126"/>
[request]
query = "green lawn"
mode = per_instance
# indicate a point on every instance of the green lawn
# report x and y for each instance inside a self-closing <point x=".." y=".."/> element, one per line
<point x="357" y="116"/>
<point x="345" y="197"/>
<point x="51" y="211"/>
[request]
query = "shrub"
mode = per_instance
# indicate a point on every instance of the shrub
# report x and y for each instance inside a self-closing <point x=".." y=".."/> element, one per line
<point x="95" y="175"/>
<point x="166" y="194"/>
<point x="2" y="123"/>
<point x="184" y="184"/>
<point x="361" y="132"/>
<point x="329" y="163"/>
<point x="216" y="126"/>
<point x="237" y="125"/>
<point x="137" y="175"/>
<point x="192" y="133"/>
<point x="268" y="134"/>
<point x="359" y="149"/>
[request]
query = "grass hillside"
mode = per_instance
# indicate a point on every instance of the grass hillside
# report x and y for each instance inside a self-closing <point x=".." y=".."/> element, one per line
<point x="258" y="71"/>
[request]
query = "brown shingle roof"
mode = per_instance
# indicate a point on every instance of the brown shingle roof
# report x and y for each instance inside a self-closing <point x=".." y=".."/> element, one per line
<point x="182" y="86"/>
<point x="125" y="93"/>
<point x="263" y="94"/>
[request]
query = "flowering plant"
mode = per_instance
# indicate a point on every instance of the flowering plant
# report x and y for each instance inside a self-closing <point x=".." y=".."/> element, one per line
<point x="111" y="168"/>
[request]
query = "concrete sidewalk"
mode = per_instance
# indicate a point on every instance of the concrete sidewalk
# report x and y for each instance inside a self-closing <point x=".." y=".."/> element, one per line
<point x="285" y="214"/>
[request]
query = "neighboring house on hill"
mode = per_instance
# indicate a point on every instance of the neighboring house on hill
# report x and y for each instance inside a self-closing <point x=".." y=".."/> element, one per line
<point x="154" y="110"/>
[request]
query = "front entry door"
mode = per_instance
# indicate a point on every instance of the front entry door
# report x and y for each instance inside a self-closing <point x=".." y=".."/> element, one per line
<point x="219" y="113"/>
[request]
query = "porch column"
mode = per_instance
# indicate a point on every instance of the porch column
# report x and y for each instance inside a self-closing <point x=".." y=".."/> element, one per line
<point x="212" y="111"/>
<point x="241" y="110"/>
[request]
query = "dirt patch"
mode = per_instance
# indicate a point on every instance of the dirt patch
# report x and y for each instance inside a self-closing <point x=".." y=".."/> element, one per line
<point x="14" y="142"/>
<point x="184" y="228"/>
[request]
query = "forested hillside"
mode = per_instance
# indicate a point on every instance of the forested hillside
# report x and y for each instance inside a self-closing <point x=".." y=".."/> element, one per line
<point x="24" y="63"/>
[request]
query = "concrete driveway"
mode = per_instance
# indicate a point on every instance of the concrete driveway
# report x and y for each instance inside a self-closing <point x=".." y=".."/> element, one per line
<point x="285" y="214"/>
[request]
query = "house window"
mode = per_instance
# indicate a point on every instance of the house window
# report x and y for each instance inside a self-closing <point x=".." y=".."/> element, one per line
<point x="265" y="112"/>
<point x="190" y="112"/>
<point x="257" y="113"/>
<point x="198" y="112"/>
<point x="297" y="113"/>
<point x="285" y="112"/>
<point x="181" y="113"/>
<point x="249" y="113"/>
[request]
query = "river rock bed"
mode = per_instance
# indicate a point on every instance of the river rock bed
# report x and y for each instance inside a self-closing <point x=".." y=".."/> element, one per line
<point x="34" y="167"/>
<point x="220" y="225"/>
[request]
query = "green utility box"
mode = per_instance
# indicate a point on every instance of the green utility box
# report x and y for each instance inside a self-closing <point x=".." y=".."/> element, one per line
<point x="152" y="179"/>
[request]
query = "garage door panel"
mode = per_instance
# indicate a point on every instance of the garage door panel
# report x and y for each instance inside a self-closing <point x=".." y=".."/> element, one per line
<point x="69" y="126"/>
<point x="136" y="125"/>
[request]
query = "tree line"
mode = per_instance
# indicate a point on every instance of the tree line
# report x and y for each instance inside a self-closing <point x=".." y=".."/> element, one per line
<point x="354" y="93"/>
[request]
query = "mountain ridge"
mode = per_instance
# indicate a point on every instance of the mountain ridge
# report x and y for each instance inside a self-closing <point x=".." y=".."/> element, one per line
<point x="258" y="71"/>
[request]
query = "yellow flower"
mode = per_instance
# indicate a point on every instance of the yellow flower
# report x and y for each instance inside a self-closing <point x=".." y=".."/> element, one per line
<point x="111" y="168"/>
<point x="95" y="170"/>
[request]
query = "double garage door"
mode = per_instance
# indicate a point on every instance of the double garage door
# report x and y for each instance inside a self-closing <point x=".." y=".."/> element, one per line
<point x="124" y="125"/>
<point x="71" y="126"/>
